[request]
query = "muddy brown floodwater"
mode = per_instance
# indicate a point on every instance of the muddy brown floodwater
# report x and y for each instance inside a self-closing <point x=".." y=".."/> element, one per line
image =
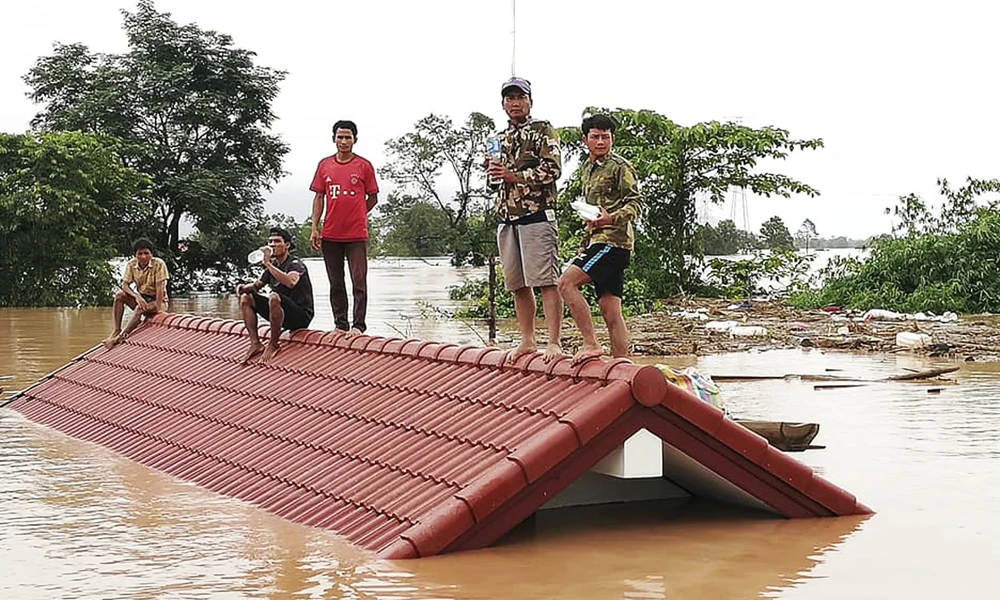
<point x="78" y="521"/>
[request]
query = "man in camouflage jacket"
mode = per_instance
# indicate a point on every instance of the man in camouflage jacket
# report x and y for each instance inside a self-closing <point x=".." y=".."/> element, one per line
<point x="525" y="180"/>
<point x="609" y="182"/>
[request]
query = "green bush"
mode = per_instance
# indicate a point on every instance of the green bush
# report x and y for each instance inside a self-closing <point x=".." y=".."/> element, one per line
<point x="929" y="272"/>
<point x="474" y="296"/>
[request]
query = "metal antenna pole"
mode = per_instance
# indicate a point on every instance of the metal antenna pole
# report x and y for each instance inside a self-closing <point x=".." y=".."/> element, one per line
<point x="513" y="35"/>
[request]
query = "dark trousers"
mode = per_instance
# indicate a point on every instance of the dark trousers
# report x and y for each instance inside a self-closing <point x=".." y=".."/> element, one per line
<point x="356" y="254"/>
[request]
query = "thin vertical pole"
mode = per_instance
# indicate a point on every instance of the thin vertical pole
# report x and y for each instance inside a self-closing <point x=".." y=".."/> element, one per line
<point x="491" y="317"/>
<point x="513" y="35"/>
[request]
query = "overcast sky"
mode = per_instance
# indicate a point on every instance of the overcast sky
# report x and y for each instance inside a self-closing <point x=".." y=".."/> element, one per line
<point x="901" y="92"/>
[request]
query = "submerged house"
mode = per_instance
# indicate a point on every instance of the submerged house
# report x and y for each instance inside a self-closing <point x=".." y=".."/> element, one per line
<point x="411" y="448"/>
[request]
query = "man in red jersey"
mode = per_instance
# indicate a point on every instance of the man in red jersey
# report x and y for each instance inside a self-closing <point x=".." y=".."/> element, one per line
<point x="345" y="184"/>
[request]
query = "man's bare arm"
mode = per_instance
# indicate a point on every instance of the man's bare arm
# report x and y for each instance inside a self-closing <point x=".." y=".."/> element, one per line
<point x="317" y="214"/>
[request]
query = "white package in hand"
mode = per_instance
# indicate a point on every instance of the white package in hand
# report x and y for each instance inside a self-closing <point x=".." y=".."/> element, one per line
<point x="255" y="257"/>
<point x="587" y="212"/>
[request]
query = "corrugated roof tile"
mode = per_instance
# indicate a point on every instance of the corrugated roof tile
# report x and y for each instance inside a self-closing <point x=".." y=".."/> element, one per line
<point x="402" y="446"/>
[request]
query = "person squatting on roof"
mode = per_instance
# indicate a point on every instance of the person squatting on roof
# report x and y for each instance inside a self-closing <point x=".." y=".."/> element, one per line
<point x="149" y="275"/>
<point x="289" y="305"/>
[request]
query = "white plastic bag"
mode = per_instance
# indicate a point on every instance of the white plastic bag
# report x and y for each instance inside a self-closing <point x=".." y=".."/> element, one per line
<point x="747" y="331"/>
<point x="911" y="339"/>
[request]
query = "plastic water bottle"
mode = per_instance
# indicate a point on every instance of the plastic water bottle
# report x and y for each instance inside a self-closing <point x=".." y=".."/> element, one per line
<point x="493" y="153"/>
<point x="255" y="257"/>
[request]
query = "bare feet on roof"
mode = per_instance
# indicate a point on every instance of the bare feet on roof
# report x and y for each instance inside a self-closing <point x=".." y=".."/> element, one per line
<point x="269" y="352"/>
<point x="354" y="332"/>
<point x="110" y="342"/>
<point x="516" y="353"/>
<point x="252" y="351"/>
<point x="552" y="352"/>
<point x="586" y="353"/>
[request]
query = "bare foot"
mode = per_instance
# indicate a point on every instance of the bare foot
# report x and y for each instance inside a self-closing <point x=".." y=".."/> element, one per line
<point x="354" y="332"/>
<point x="520" y="351"/>
<point x="552" y="352"/>
<point x="586" y="353"/>
<point x="110" y="342"/>
<point x="269" y="353"/>
<point x="252" y="351"/>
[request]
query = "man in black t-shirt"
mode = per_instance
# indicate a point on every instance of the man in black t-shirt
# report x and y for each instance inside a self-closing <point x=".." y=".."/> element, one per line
<point x="290" y="303"/>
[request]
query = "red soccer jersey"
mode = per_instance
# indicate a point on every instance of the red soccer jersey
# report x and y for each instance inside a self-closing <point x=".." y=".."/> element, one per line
<point x="345" y="185"/>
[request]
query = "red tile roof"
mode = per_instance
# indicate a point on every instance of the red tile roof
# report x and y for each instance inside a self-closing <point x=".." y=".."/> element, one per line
<point x="408" y="448"/>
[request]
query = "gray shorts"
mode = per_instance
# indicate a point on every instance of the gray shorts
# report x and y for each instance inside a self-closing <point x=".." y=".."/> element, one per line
<point x="529" y="254"/>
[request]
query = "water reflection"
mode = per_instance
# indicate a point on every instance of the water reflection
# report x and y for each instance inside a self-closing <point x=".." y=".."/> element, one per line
<point x="695" y="550"/>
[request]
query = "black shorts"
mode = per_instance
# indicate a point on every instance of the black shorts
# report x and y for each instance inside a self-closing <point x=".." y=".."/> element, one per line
<point x="605" y="265"/>
<point x="296" y="317"/>
<point x="147" y="297"/>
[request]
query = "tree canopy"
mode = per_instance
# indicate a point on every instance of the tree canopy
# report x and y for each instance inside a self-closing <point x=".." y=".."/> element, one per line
<point x="420" y="217"/>
<point x="191" y="110"/>
<point x="932" y="262"/>
<point x="774" y="235"/>
<point x="67" y="206"/>
<point x="725" y="238"/>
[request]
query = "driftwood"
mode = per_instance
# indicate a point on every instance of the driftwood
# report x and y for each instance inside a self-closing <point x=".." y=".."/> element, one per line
<point x="922" y="374"/>
<point x="927" y="374"/>
<point x="837" y="386"/>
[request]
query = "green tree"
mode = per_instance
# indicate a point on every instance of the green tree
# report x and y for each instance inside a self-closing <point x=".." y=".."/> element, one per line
<point x="676" y="164"/>
<point x="67" y="206"/>
<point x="742" y="278"/>
<point x="725" y="238"/>
<point x="415" y="163"/>
<point x="806" y="233"/>
<point x="932" y="262"/>
<point x="774" y="235"/>
<point x="193" y="111"/>
<point x="409" y="226"/>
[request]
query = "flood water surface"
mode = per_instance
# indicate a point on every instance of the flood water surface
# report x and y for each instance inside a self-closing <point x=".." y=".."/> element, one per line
<point x="79" y="521"/>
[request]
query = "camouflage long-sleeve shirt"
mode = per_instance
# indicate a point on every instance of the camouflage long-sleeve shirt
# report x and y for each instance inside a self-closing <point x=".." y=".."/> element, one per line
<point x="610" y="182"/>
<point x="530" y="149"/>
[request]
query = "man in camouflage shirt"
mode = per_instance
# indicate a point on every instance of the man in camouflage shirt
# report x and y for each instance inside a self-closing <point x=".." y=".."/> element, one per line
<point x="609" y="183"/>
<point x="526" y="175"/>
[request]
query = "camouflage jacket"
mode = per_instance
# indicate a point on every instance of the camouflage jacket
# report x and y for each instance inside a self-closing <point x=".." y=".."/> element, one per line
<point x="610" y="182"/>
<point x="531" y="150"/>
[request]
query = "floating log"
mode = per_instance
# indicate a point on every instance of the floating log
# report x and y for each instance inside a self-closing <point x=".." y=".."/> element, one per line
<point x="927" y="374"/>
<point x="922" y="374"/>
<point x="837" y="386"/>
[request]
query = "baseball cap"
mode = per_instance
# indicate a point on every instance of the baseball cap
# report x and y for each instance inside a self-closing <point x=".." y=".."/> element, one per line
<point x="283" y="234"/>
<point x="516" y="82"/>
